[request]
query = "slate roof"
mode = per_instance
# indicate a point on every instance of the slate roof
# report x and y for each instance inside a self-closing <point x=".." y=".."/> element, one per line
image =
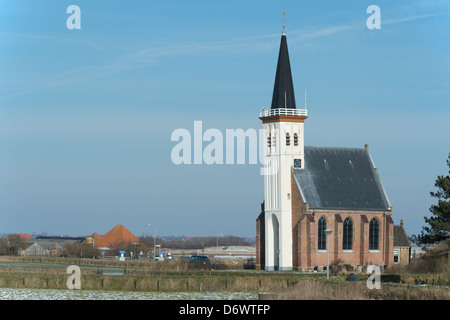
<point x="340" y="178"/>
<point x="400" y="237"/>
<point x="283" y="91"/>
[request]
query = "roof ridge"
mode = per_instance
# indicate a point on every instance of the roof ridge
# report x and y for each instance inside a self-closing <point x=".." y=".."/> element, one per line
<point x="358" y="148"/>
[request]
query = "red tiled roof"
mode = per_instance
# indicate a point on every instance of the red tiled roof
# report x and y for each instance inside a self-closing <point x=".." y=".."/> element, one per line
<point x="116" y="235"/>
<point x="23" y="235"/>
<point x="96" y="236"/>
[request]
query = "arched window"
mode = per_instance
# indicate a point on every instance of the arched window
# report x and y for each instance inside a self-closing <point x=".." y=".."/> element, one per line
<point x="348" y="235"/>
<point x="322" y="238"/>
<point x="373" y="234"/>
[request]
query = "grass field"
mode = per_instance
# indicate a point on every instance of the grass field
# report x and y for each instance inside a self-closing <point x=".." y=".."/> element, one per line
<point x="178" y="276"/>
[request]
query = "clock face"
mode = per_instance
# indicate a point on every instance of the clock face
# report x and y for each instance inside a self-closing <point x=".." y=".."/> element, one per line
<point x="297" y="163"/>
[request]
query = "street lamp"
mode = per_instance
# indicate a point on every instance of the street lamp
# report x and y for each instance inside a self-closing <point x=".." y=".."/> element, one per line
<point x="154" y="241"/>
<point x="328" y="232"/>
<point x="217" y="241"/>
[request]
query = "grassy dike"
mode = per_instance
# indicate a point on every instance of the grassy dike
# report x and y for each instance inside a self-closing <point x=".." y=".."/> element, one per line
<point x="165" y="281"/>
<point x="173" y="276"/>
<point x="168" y="276"/>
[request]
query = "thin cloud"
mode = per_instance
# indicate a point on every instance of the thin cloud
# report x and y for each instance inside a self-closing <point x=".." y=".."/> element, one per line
<point x="152" y="56"/>
<point x="406" y="19"/>
<point x="302" y="35"/>
<point x="58" y="39"/>
<point x="238" y="45"/>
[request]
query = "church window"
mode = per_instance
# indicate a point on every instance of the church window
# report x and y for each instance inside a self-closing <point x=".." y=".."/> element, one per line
<point x="348" y="235"/>
<point x="373" y="234"/>
<point x="322" y="240"/>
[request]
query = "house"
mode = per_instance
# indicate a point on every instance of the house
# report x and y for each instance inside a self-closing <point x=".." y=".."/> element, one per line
<point x="117" y="236"/>
<point x="417" y="250"/>
<point x="23" y="235"/>
<point x="402" y="246"/>
<point x="321" y="204"/>
<point x="43" y="248"/>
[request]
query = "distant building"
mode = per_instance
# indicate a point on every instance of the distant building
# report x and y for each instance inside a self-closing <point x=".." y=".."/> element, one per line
<point x="44" y="248"/>
<point x="402" y="246"/>
<point x="23" y="235"/>
<point x="119" y="235"/>
<point x="417" y="250"/>
<point x="60" y="238"/>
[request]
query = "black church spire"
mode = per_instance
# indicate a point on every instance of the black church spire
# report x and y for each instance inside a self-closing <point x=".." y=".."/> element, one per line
<point x="283" y="91"/>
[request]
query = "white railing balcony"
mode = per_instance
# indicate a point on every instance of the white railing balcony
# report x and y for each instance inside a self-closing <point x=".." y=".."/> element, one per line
<point x="283" y="112"/>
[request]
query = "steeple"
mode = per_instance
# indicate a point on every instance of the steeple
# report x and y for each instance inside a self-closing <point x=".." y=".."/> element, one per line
<point x="283" y="126"/>
<point x="283" y="91"/>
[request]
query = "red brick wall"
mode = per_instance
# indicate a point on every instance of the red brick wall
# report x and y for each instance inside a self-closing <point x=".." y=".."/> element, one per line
<point x="309" y="256"/>
<point x="300" y="232"/>
<point x="260" y="242"/>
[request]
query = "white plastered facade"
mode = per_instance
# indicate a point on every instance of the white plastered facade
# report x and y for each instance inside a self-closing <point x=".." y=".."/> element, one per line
<point x="279" y="158"/>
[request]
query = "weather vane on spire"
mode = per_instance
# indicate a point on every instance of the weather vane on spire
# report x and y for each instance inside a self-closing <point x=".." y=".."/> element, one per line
<point x="284" y="21"/>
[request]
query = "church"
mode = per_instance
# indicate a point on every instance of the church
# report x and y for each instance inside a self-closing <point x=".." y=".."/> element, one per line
<point x="318" y="201"/>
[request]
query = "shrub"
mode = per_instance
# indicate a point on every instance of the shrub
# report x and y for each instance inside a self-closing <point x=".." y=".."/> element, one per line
<point x="336" y="267"/>
<point x="390" y="278"/>
<point x="250" y="264"/>
<point x="219" y="264"/>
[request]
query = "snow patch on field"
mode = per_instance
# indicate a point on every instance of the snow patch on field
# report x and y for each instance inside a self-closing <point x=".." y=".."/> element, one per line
<point x="53" y="294"/>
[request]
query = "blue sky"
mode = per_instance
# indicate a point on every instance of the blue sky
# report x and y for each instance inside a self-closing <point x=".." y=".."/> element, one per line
<point x="86" y="115"/>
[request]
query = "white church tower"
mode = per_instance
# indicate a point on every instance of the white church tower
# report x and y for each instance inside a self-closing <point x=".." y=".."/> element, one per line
<point x="283" y="149"/>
